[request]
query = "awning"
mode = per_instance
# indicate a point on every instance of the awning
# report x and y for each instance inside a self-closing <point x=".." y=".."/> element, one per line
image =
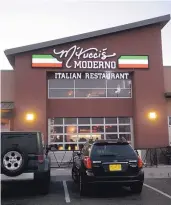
<point x="167" y="95"/>
<point x="7" y="109"/>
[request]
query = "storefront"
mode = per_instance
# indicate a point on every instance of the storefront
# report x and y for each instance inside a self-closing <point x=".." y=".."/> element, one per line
<point x="98" y="85"/>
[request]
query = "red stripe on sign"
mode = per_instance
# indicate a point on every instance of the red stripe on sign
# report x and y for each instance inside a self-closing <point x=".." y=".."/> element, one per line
<point x="133" y="66"/>
<point x="47" y="65"/>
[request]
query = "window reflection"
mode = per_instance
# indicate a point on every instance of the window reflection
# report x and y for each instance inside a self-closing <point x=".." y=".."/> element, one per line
<point x="124" y="128"/>
<point x="110" y="128"/>
<point x="111" y="120"/>
<point x="56" y="138"/>
<point x="76" y="134"/>
<point x="57" y="83"/>
<point x="126" y="136"/>
<point x="97" y="129"/>
<point x="56" y="129"/>
<point x="84" y="83"/>
<point x="85" y="88"/>
<point x="56" y="121"/>
<point x="70" y="121"/>
<point x="98" y="121"/>
<point x="70" y="129"/>
<point x="97" y="136"/>
<point x="84" y="129"/>
<point x="90" y="93"/>
<point x="84" y="121"/>
<point x="111" y="136"/>
<point x="59" y="93"/>
<point x="70" y="138"/>
<point x="84" y="137"/>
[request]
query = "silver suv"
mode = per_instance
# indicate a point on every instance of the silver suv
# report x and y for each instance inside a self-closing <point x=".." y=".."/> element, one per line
<point x="24" y="157"/>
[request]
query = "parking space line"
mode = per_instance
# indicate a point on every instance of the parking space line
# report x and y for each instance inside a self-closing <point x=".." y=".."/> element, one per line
<point x="67" y="198"/>
<point x="157" y="190"/>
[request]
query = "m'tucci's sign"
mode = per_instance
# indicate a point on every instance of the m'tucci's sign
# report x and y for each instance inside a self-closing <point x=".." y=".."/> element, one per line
<point x="92" y="75"/>
<point x="86" y="58"/>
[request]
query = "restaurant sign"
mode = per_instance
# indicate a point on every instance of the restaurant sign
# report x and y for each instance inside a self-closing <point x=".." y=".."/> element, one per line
<point x="92" y="75"/>
<point x="91" y="58"/>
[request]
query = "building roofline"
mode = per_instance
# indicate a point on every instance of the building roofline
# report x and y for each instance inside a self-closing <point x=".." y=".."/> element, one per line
<point x="162" y="20"/>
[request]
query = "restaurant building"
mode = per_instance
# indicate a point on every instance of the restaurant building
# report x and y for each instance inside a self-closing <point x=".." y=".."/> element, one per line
<point x="103" y="84"/>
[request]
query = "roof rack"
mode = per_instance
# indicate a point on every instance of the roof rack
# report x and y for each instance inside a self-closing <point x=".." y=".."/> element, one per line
<point x="119" y="140"/>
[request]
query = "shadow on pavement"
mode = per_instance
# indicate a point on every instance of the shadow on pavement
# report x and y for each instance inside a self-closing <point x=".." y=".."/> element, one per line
<point x="104" y="191"/>
<point x="26" y="189"/>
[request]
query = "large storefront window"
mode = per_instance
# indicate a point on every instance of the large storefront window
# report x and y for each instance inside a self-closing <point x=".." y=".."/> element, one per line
<point x="72" y="133"/>
<point x="86" y="88"/>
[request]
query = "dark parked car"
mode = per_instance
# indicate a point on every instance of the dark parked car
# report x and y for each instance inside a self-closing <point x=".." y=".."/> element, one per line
<point x="108" y="161"/>
<point x="24" y="157"/>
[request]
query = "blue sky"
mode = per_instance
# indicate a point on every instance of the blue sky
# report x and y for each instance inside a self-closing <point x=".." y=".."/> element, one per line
<point x="27" y="22"/>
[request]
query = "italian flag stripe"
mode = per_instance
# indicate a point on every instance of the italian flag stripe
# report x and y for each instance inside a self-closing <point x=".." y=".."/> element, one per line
<point x="133" y="62"/>
<point x="45" y="61"/>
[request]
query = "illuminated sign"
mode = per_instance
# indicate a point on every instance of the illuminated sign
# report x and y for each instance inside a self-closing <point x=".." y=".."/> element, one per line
<point x="92" y="75"/>
<point x="87" y="54"/>
<point x="77" y="57"/>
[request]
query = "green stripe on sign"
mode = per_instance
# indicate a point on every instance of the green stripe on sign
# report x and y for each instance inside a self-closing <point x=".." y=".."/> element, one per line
<point x="43" y="56"/>
<point x="134" y="57"/>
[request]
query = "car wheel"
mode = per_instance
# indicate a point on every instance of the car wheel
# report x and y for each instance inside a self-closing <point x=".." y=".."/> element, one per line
<point x="43" y="184"/>
<point x="137" y="188"/>
<point x="13" y="161"/>
<point x="83" y="186"/>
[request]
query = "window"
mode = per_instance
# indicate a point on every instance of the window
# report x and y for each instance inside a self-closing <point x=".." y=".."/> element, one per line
<point x="72" y="133"/>
<point x="121" y="151"/>
<point x="170" y="121"/>
<point x="86" y="88"/>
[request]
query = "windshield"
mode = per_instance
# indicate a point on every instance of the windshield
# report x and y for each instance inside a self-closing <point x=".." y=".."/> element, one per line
<point x="113" y="150"/>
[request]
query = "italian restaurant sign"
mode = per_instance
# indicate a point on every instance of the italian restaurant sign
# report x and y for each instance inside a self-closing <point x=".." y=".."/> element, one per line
<point x="91" y="58"/>
<point x="92" y="75"/>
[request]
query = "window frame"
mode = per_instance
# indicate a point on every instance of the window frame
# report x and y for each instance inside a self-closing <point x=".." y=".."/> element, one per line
<point x="91" y="133"/>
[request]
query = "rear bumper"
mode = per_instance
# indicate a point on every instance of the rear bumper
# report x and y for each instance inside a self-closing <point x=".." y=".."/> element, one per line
<point x="123" y="180"/>
<point x="21" y="177"/>
<point x="24" y="177"/>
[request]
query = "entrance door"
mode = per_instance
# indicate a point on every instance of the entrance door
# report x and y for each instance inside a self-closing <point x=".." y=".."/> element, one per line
<point x="169" y="124"/>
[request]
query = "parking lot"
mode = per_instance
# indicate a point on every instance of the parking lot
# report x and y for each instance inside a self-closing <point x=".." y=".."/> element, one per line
<point x="64" y="191"/>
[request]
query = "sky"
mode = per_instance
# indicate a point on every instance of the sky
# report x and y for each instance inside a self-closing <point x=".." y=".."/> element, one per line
<point x="27" y="22"/>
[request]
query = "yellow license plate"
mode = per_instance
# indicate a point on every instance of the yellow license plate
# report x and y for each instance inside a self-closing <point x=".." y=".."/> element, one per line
<point x="115" y="167"/>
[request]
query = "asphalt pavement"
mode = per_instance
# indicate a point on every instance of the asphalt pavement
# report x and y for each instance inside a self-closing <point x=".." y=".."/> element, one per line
<point x="64" y="191"/>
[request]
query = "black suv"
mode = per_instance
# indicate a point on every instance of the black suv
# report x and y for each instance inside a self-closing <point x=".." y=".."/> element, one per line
<point x="24" y="157"/>
<point x="108" y="161"/>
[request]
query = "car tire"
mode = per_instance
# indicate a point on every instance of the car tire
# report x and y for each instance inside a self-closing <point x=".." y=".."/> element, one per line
<point x="43" y="184"/>
<point x="83" y="186"/>
<point x="137" y="188"/>
<point x="13" y="161"/>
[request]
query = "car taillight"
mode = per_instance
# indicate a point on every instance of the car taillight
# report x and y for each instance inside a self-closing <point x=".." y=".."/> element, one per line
<point x="87" y="162"/>
<point x="40" y="158"/>
<point x="140" y="162"/>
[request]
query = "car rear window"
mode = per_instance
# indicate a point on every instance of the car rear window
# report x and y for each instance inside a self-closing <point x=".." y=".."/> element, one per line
<point x="26" y="141"/>
<point x="113" y="150"/>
